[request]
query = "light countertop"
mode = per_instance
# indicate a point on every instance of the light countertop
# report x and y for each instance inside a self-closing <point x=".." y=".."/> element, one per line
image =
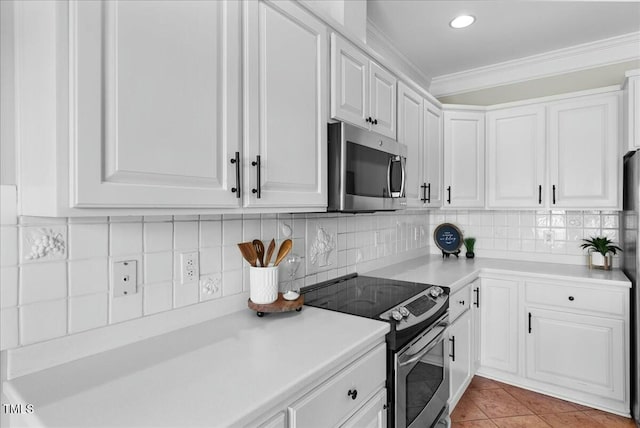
<point x="455" y="273"/>
<point x="223" y="372"/>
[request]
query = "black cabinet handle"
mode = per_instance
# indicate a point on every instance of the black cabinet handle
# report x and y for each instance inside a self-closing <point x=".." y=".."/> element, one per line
<point x="461" y="302"/>
<point x="256" y="163"/>
<point x="236" y="160"/>
<point x="424" y="192"/>
<point x="449" y="194"/>
<point x="375" y="121"/>
<point x="369" y="119"/>
<point x="429" y="193"/>
<point x="477" y="302"/>
<point x="540" y="193"/>
<point x="452" y="339"/>
<point x="529" y="322"/>
<point x="353" y="393"/>
<point x="554" y="194"/>
<point x="571" y="298"/>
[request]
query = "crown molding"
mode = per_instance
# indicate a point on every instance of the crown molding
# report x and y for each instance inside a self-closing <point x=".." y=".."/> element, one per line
<point x="373" y="31"/>
<point x="575" y="58"/>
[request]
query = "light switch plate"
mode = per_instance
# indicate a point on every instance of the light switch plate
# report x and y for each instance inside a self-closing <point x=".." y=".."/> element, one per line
<point x="125" y="278"/>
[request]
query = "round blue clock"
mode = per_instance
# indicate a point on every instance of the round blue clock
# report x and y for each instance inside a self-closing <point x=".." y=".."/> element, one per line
<point x="448" y="238"/>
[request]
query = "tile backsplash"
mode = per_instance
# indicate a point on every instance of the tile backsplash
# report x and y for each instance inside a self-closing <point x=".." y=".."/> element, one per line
<point x="66" y="288"/>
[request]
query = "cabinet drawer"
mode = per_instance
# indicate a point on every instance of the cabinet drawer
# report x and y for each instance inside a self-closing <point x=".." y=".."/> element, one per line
<point x="330" y="403"/>
<point x="459" y="302"/>
<point x="575" y="297"/>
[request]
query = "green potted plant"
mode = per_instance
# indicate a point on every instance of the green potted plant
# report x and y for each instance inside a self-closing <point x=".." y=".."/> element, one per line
<point x="469" y="243"/>
<point x="601" y="251"/>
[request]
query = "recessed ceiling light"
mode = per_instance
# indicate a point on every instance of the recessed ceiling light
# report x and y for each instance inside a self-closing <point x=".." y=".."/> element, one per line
<point x="462" y="21"/>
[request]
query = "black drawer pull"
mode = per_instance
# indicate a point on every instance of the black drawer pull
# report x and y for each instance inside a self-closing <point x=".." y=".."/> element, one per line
<point x="554" y="193"/>
<point x="540" y="194"/>
<point x="448" y="194"/>
<point x="429" y="193"/>
<point x="452" y="339"/>
<point x="477" y="302"/>
<point x="256" y="163"/>
<point x="571" y="298"/>
<point x="236" y="161"/>
<point x="461" y="302"/>
<point x="529" y="322"/>
<point x="353" y="393"/>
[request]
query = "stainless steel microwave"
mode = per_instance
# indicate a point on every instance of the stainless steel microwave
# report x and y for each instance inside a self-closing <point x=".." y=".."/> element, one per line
<point x="366" y="170"/>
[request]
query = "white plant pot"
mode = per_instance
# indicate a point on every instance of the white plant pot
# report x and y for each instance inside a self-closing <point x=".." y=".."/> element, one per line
<point x="598" y="261"/>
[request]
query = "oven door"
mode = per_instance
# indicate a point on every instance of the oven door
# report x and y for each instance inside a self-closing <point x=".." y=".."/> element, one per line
<point x="422" y="378"/>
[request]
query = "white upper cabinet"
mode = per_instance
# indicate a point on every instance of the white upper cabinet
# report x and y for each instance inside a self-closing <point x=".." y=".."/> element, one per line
<point x="382" y="90"/>
<point x="632" y="116"/>
<point x="349" y="83"/>
<point x="285" y="125"/>
<point x="516" y="142"/>
<point x="143" y="111"/>
<point x="410" y="133"/>
<point x="432" y="155"/>
<point x="362" y="92"/>
<point x="463" y="159"/>
<point x="585" y="169"/>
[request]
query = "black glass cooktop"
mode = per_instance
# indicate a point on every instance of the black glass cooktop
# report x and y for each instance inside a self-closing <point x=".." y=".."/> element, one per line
<point x="361" y="295"/>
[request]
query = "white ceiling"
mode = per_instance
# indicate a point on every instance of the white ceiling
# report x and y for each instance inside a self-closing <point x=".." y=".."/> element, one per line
<point x="504" y="30"/>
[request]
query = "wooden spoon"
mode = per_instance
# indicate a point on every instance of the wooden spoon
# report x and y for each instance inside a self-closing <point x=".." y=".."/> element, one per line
<point x="285" y="247"/>
<point x="248" y="252"/>
<point x="272" y="246"/>
<point x="259" y="247"/>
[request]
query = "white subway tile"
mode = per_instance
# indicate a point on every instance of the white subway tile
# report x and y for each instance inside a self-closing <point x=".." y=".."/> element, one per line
<point x="158" y="267"/>
<point x="251" y="230"/>
<point x="217" y="217"/>
<point x="43" y="321"/>
<point x="8" y="246"/>
<point x="185" y="235"/>
<point x="41" y="221"/>
<point x="210" y="234"/>
<point x="88" y="276"/>
<point x="231" y="282"/>
<point x="157" y="298"/>
<point x="126" y="219"/>
<point x="87" y="241"/>
<point x="211" y="260"/>
<point x="8" y="328"/>
<point x="88" y="312"/>
<point x="185" y="218"/>
<point x="269" y="229"/>
<point x="158" y="237"/>
<point x="88" y="220"/>
<point x="156" y="218"/>
<point x="126" y="238"/>
<point x="231" y="258"/>
<point x="8" y="205"/>
<point x="9" y="286"/>
<point x="43" y="281"/>
<point x="185" y="294"/>
<point x="126" y="307"/>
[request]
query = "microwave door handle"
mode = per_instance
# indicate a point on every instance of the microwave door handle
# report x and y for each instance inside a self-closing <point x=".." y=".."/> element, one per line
<point x="389" y="175"/>
<point x="403" y="165"/>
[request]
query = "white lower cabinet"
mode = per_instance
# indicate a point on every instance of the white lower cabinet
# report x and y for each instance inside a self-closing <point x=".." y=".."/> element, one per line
<point x="372" y="415"/>
<point x="499" y="324"/>
<point x="576" y="351"/>
<point x="461" y="369"/>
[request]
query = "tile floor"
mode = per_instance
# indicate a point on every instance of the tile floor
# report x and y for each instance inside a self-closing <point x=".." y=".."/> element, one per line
<point x="490" y="404"/>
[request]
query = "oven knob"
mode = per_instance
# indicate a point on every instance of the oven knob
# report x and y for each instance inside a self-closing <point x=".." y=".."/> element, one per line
<point x="403" y="311"/>
<point x="396" y="315"/>
<point x="436" y="291"/>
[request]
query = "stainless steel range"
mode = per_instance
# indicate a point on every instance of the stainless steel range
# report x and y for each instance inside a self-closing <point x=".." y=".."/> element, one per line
<point x="417" y="363"/>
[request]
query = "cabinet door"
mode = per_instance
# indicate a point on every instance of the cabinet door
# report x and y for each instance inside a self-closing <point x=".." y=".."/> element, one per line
<point x="463" y="159"/>
<point x="285" y="108"/>
<point x="155" y="103"/>
<point x="516" y="158"/>
<point x="460" y="357"/>
<point x="410" y="130"/>
<point x="382" y="110"/>
<point x="499" y="324"/>
<point x="633" y="113"/>
<point x="577" y="351"/>
<point x="584" y="147"/>
<point x="432" y="155"/>
<point x="349" y="83"/>
<point x="373" y="414"/>
<point x="475" y="322"/>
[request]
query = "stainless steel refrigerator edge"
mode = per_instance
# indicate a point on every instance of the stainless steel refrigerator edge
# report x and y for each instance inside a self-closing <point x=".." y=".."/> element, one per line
<point x="630" y="239"/>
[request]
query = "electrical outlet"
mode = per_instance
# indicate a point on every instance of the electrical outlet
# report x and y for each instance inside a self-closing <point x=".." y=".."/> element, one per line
<point x="189" y="267"/>
<point x="125" y="278"/>
<point x="548" y="237"/>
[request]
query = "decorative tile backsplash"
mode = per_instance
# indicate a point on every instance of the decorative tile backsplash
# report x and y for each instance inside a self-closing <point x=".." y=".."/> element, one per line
<point x="66" y="289"/>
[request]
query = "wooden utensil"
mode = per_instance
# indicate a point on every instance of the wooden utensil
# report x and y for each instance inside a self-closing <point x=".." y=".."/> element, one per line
<point x="259" y="247"/>
<point x="285" y="247"/>
<point x="272" y="246"/>
<point x="248" y="252"/>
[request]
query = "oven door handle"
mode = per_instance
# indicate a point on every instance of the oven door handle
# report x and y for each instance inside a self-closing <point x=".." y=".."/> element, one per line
<point x="426" y="348"/>
<point x="403" y="165"/>
<point x="389" y="176"/>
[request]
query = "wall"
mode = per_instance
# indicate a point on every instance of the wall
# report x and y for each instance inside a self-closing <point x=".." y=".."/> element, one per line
<point x="7" y="145"/>
<point x="545" y="236"/>
<point x="68" y="291"/>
